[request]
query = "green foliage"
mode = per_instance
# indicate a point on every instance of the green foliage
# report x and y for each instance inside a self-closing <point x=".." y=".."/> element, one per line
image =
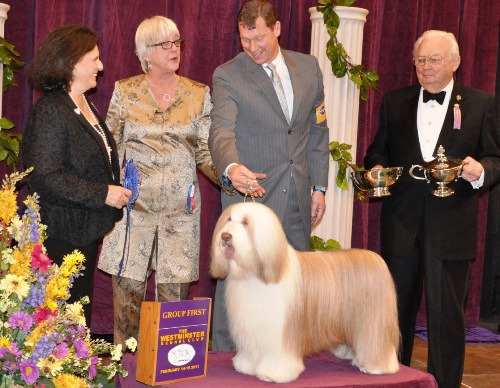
<point x="340" y="154"/>
<point x="335" y="51"/>
<point x="318" y="244"/>
<point x="9" y="143"/>
<point x="8" y="57"/>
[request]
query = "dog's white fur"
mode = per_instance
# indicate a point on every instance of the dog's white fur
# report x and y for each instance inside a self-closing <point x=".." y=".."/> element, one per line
<point x="284" y="305"/>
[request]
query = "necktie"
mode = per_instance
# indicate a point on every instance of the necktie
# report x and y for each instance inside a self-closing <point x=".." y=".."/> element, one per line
<point x="278" y="87"/>
<point x="439" y="97"/>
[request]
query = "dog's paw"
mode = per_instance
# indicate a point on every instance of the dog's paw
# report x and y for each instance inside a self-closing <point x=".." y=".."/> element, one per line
<point x="283" y="370"/>
<point x="343" y="352"/>
<point x="388" y="366"/>
<point x="278" y="376"/>
<point x="244" y="364"/>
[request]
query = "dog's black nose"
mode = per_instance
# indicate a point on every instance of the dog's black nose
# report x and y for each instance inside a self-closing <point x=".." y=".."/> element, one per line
<point x="226" y="236"/>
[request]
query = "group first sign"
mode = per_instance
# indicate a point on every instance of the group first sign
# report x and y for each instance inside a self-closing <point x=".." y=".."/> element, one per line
<point x="173" y="341"/>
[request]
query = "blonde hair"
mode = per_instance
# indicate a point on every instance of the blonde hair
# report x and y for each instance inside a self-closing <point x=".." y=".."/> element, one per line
<point x="151" y="31"/>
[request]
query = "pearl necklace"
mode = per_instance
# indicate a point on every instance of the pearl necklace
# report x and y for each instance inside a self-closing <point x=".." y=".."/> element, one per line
<point x="98" y="128"/>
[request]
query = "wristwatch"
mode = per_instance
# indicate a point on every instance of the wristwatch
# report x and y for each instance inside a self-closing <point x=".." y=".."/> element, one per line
<point x="319" y="189"/>
<point x="227" y="185"/>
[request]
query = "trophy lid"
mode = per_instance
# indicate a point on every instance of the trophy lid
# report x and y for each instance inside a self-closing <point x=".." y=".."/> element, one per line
<point x="441" y="162"/>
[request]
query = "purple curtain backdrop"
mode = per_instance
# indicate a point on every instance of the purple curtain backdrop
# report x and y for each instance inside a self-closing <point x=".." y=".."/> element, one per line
<point x="209" y="27"/>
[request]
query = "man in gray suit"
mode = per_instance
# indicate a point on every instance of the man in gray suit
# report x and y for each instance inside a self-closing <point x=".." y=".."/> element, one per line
<point x="269" y="135"/>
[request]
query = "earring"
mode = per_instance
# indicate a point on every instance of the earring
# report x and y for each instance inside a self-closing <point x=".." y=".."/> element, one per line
<point x="148" y="65"/>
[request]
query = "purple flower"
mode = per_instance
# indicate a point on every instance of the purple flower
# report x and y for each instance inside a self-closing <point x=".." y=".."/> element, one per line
<point x="21" y="320"/>
<point x="10" y="366"/>
<point x="61" y="350"/>
<point x="44" y="347"/>
<point x="29" y="371"/>
<point x="81" y="348"/>
<point x="3" y="351"/>
<point x="34" y="233"/>
<point x="15" y="351"/>
<point x="35" y="298"/>
<point x="93" y="367"/>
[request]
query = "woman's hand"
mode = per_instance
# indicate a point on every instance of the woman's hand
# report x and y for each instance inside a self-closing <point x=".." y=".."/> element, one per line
<point x="118" y="196"/>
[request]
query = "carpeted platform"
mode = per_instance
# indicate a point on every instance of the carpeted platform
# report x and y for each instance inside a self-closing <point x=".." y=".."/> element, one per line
<point x="475" y="335"/>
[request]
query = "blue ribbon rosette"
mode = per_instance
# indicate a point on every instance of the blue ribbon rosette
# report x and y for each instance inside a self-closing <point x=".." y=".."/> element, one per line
<point x="131" y="181"/>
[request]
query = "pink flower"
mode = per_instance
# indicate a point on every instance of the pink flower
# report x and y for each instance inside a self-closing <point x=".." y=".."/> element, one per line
<point x="81" y="348"/>
<point x="29" y="371"/>
<point x="93" y="367"/>
<point x="39" y="260"/>
<point x="43" y="314"/>
<point x="20" y="320"/>
<point x="61" y="350"/>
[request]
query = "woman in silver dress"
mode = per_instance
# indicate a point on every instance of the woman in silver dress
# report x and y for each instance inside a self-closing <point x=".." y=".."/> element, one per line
<point x="161" y="121"/>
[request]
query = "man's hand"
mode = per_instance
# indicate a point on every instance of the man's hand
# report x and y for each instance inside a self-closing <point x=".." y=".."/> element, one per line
<point x="246" y="181"/>
<point x="318" y="208"/>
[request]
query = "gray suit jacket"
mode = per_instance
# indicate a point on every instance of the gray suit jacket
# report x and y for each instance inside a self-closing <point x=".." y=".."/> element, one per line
<point x="249" y="127"/>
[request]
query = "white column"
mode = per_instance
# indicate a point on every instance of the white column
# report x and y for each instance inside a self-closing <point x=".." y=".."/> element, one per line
<point x="342" y="107"/>
<point x="4" y="8"/>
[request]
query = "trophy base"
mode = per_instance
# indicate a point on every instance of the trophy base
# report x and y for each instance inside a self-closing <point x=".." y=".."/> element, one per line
<point x="378" y="192"/>
<point x="443" y="190"/>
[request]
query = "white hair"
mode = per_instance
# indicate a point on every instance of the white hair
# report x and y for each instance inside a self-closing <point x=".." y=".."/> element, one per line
<point x="435" y="34"/>
<point x="151" y="31"/>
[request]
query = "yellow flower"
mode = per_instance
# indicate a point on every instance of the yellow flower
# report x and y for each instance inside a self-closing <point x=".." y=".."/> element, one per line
<point x="50" y="366"/>
<point x="13" y="284"/>
<point x="56" y="289"/>
<point x="116" y="353"/>
<point x="72" y="263"/>
<point x="21" y="266"/>
<point x="131" y="344"/>
<point x="75" y="312"/>
<point x="8" y="210"/>
<point x="66" y="380"/>
<point x="4" y="342"/>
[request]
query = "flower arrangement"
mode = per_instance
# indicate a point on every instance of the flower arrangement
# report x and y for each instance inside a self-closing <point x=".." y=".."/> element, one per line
<point x="44" y="341"/>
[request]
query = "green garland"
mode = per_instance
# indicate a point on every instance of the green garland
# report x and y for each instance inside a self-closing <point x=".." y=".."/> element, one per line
<point x="9" y="143"/>
<point x="335" y="51"/>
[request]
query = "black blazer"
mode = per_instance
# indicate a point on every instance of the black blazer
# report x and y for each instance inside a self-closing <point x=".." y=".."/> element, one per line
<point x="71" y="170"/>
<point x="451" y="222"/>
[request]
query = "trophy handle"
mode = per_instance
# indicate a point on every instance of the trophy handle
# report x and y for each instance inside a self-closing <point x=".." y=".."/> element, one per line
<point x="459" y="175"/>
<point x="418" y="177"/>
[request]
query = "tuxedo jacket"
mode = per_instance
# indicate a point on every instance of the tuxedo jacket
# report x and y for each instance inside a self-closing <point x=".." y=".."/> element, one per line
<point x="71" y="170"/>
<point x="249" y="127"/>
<point x="449" y="223"/>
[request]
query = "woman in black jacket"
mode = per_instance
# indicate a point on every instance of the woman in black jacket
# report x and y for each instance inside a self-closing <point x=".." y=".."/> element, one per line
<point x="76" y="170"/>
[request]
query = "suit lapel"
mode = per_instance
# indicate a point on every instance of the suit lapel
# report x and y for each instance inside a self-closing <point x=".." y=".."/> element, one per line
<point x="263" y="81"/>
<point x="296" y="79"/>
<point x="412" y="100"/>
<point x="87" y="127"/>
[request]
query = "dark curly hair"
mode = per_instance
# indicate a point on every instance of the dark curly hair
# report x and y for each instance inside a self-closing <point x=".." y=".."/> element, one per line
<point x="53" y="65"/>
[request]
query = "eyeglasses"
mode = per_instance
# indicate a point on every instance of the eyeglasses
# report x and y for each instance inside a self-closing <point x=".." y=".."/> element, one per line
<point x="433" y="60"/>
<point x="168" y="44"/>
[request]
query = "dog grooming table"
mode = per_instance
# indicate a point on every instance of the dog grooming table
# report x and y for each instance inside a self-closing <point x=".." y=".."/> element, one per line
<point x="324" y="370"/>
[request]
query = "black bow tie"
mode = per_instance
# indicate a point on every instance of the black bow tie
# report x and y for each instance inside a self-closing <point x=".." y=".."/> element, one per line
<point x="439" y="97"/>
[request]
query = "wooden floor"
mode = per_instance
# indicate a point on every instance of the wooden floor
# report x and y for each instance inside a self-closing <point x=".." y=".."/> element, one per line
<point x="482" y="364"/>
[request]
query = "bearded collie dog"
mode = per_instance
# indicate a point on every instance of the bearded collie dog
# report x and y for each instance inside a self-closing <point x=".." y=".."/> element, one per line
<point x="284" y="305"/>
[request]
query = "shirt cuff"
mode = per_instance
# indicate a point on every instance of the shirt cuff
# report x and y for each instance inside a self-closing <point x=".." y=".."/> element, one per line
<point x="478" y="183"/>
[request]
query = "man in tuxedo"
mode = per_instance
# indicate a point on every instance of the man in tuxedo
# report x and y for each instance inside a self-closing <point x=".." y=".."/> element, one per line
<point x="269" y="135"/>
<point x="424" y="236"/>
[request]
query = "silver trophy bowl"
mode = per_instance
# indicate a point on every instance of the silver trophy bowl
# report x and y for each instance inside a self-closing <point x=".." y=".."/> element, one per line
<point x="376" y="181"/>
<point x="440" y="171"/>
